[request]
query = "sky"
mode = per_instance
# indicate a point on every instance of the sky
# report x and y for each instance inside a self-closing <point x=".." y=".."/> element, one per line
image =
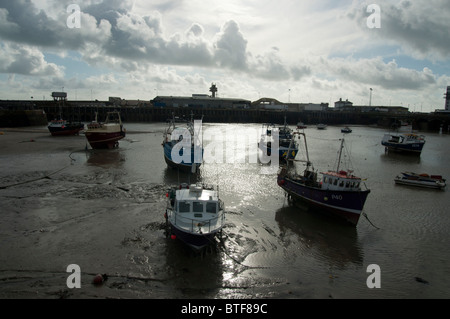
<point x="294" y="51"/>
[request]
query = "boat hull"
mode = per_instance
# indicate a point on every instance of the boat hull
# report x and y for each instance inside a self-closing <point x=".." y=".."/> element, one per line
<point x="65" y="130"/>
<point x="194" y="240"/>
<point x="344" y="204"/>
<point x="415" y="148"/>
<point x="183" y="166"/>
<point x="102" y="140"/>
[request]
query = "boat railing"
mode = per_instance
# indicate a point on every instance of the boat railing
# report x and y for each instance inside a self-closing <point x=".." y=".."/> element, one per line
<point x="199" y="224"/>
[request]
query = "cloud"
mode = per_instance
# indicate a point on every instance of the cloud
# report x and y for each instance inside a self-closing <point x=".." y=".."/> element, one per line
<point x="26" y="60"/>
<point x="420" y="27"/>
<point x="113" y="35"/>
<point x="376" y="72"/>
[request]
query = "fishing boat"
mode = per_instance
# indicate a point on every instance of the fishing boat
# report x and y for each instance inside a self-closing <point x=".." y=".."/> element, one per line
<point x="60" y="127"/>
<point x="194" y="214"/>
<point x="346" y="130"/>
<point x="338" y="192"/>
<point x="182" y="145"/>
<point x="106" y="134"/>
<point x="403" y="142"/>
<point x="321" y="126"/>
<point x="301" y="125"/>
<point x="421" y="180"/>
<point x="271" y="135"/>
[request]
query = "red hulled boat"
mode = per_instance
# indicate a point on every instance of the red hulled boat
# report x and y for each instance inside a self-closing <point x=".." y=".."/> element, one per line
<point x="106" y="134"/>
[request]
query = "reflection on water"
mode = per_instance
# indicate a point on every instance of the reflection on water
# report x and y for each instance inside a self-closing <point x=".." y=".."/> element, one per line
<point x="334" y="241"/>
<point x="106" y="158"/>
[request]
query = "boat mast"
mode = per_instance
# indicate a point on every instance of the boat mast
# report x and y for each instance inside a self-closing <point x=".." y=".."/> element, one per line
<point x="340" y="155"/>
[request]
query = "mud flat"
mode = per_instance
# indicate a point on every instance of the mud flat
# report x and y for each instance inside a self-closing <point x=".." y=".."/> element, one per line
<point x="63" y="204"/>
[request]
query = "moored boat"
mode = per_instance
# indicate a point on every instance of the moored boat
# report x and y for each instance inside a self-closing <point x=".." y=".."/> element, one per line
<point x="106" y="134"/>
<point x="322" y="126"/>
<point x="188" y="155"/>
<point x="338" y="192"/>
<point x="63" y="127"/>
<point x="404" y="142"/>
<point x="272" y="136"/>
<point x="194" y="214"/>
<point x="301" y="125"/>
<point x="346" y="130"/>
<point x="421" y="180"/>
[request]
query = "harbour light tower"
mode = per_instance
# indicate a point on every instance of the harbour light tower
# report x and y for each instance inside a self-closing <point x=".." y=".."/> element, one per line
<point x="213" y="90"/>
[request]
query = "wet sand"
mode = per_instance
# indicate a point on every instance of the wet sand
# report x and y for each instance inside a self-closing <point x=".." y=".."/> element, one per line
<point x="63" y="203"/>
<point x="55" y="213"/>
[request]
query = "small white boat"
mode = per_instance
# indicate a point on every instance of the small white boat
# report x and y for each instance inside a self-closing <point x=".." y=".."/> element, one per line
<point x="194" y="214"/>
<point x="346" y="130"/>
<point x="321" y="126"/>
<point x="421" y="180"/>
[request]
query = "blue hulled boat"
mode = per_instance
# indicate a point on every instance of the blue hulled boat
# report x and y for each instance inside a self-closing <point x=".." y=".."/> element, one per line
<point x="338" y="192"/>
<point x="287" y="148"/>
<point x="409" y="142"/>
<point x="182" y="145"/>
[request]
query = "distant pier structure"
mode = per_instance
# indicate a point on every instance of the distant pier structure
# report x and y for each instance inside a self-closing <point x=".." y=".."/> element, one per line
<point x="59" y="96"/>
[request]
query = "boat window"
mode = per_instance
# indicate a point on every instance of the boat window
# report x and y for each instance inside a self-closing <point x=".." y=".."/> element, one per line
<point x="197" y="207"/>
<point x="357" y="185"/>
<point x="211" y="208"/>
<point x="341" y="184"/>
<point x="335" y="182"/>
<point x="347" y="184"/>
<point x="184" y="207"/>
<point x="325" y="180"/>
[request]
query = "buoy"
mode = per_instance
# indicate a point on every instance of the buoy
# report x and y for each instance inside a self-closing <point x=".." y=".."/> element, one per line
<point x="99" y="279"/>
<point x="173" y="237"/>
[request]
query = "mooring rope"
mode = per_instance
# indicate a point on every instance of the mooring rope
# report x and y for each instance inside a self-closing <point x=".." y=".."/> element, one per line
<point x="365" y="215"/>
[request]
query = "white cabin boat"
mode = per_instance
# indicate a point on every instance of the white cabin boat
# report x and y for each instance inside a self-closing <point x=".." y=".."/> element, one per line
<point x="421" y="180"/>
<point x="195" y="214"/>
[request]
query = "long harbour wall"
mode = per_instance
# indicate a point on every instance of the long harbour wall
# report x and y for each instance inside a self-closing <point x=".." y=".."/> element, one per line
<point x="18" y="117"/>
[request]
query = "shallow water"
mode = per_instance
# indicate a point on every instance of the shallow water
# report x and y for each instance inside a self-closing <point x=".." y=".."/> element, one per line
<point x="103" y="210"/>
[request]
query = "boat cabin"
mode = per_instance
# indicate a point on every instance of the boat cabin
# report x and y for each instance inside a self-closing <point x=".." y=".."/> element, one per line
<point x="196" y="200"/>
<point x="341" y="181"/>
